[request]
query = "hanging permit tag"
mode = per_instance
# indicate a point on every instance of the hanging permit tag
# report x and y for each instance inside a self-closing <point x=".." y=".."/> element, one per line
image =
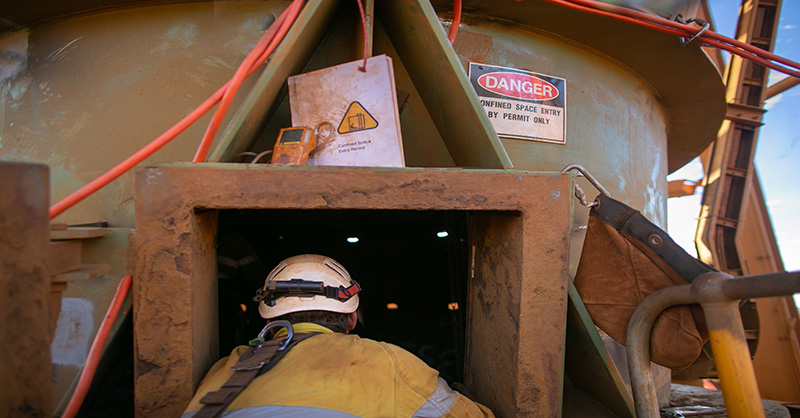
<point x="360" y="106"/>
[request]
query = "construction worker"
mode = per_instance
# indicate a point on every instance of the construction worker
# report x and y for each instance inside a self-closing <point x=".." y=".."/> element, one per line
<point x="323" y="371"/>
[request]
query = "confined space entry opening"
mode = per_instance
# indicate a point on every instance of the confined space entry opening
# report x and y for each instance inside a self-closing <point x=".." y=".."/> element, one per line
<point x="413" y="267"/>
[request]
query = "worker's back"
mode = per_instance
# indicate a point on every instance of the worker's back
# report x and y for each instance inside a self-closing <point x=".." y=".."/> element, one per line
<point x="338" y="375"/>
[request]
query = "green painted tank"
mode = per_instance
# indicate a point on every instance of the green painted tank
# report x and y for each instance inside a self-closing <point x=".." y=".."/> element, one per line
<point x="87" y="83"/>
<point x="638" y="104"/>
<point x="83" y="92"/>
<point x="85" y="87"/>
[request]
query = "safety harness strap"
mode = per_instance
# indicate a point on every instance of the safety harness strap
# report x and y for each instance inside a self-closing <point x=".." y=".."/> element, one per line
<point x="253" y="363"/>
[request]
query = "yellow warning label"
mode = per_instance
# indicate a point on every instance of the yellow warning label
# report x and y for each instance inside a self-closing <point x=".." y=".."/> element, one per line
<point x="356" y="119"/>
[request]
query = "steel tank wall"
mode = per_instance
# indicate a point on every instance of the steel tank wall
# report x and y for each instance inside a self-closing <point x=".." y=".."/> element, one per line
<point x="616" y="126"/>
<point x="81" y="93"/>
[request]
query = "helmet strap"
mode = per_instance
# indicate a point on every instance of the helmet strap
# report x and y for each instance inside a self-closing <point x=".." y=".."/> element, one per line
<point x="304" y="288"/>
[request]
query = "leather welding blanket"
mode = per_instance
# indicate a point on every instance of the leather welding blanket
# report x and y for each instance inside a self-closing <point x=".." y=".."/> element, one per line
<point x="625" y="258"/>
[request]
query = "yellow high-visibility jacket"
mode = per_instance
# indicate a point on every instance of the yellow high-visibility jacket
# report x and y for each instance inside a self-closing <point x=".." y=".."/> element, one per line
<point x="337" y="375"/>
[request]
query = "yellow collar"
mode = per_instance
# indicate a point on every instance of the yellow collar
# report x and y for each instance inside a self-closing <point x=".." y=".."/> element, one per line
<point x="303" y="328"/>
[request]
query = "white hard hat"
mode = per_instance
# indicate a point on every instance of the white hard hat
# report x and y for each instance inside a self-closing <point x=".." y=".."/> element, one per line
<point x="307" y="282"/>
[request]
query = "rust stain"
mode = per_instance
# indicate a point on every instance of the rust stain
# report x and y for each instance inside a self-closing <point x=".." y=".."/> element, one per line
<point x="473" y="46"/>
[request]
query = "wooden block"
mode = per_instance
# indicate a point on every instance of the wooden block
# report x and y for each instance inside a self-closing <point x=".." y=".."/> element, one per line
<point x="85" y="272"/>
<point x="76" y="233"/>
<point x="25" y="289"/>
<point x="64" y="256"/>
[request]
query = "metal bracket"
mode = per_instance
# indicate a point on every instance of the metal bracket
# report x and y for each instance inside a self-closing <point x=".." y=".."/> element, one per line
<point x="579" y="193"/>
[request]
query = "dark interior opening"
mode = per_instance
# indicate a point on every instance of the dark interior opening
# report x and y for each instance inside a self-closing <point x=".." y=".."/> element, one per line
<point x="416" y="262"/>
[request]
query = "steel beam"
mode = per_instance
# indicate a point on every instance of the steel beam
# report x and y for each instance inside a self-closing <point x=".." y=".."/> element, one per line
<point x="518" y="294"/>
<point x="25" y="285"/>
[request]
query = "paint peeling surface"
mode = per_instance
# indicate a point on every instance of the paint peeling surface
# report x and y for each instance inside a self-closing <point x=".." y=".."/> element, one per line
<point x="73" y="332"/>
<point x="83" y="94"/>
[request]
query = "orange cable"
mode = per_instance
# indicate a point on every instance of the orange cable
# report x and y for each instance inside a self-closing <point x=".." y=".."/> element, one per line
<point x="712" y="38"/>
<point x="684" y="31"/>
<point x="97" y="349"/>
<point x="266" y="45"/>
<point x="152" y="147"/>
<point x="456" y="21"/>
<point x="692" y="29"/>
<point x="136" y="158"/>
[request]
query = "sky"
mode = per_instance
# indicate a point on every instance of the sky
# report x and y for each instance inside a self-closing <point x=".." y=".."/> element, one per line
<point x="778" y="150"/>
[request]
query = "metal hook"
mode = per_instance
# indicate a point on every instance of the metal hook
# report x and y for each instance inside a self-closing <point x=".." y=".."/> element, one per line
<point x="579" y="191"/>
<point x="706" y="25"/>
<point x="322" y="142"/>
<point x="278" y="324"/>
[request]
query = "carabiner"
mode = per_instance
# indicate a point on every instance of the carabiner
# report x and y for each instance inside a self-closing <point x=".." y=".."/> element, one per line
<point x="322" y="141"/>
<point x="579" y="194"/>
<point x="706" y="26"/>
<point x="278" y="324"/>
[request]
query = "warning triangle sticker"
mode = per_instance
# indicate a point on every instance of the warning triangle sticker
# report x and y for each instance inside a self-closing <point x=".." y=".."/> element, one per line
<point x="357" y="118"/>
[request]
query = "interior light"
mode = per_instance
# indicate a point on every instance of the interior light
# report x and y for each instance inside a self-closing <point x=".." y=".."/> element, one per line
<point x="391" y="306"/>
<point x="453" y="306"/>
<point x="352" y="239"/>
<point x="442" y="234"/>
<point x="244" y="307"/>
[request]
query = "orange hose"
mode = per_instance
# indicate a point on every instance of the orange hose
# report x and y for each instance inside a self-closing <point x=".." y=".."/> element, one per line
<point x="456" y="21"/>
<point x="158" y="143"/>
<point x="97" y="349"/>
<point x="266" y="45"/>
<point x="136" y="158"/>
<point x="675" y="28"/>
<point x="691" y="29"/>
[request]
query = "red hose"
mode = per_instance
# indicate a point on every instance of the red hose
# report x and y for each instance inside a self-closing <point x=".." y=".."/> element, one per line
<point x="266" y="45"/>
<point x="155" y="145"/>
<point x="691" y="29"/>
<point x="750" y="52"/>
<point x="97" y="349"/>
<point x="456" y="21"/>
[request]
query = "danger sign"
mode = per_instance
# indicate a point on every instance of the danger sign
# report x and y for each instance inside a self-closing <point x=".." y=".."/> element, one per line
<point x="522" y="104"/>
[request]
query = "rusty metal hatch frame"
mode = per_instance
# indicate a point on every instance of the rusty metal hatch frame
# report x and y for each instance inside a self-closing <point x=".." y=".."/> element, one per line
<point x="518" y="295"/>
